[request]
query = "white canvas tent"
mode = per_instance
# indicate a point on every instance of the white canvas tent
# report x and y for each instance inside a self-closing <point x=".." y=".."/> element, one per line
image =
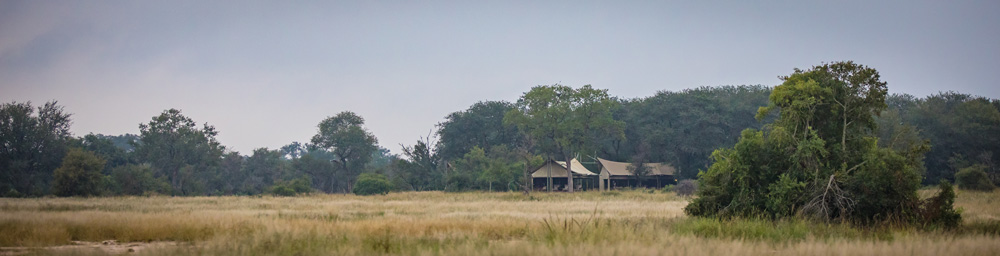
<point x="558" y="172"/>
<point x="617" y="172"/>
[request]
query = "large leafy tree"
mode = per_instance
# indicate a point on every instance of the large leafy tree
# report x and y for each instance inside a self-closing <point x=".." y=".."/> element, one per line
<point x="496" y="169"/>
<point x="178" y="149"/>
<point x="479" y="126"/>
<point x="262" y="170"/>
<point x="683" y="128"/>
<point x="421" y="170"/>
<point x="319" y="165"/>
<point x="351" y="144"/>
<point x="116" y="150"/>
<point x="229" y="176"/>
<point x="79" y="175"/>
<point x="564" y="121"/>
<point x="32" y="145"/>
<point x="819" y="158"/>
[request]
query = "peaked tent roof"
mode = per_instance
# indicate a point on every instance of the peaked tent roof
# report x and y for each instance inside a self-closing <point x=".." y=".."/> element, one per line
<point x="561" y="172"/>
<point x="621" y="169"/>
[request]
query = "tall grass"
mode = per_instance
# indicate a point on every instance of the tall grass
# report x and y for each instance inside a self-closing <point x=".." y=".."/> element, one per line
<point x="436" y="223"/>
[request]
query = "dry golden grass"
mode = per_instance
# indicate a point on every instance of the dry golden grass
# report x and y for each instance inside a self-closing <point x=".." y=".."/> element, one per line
<point x="436" y="223"/>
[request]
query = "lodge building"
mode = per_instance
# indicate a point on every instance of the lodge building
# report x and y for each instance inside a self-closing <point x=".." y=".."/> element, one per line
<point x="613" y="175"/>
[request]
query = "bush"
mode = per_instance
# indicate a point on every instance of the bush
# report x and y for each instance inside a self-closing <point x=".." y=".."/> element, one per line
<point x="372" y="183"/>
<point x="79" y="175"/>
<point x="686" y="188"/>
<point x="282" y="190"/>
<point x="301" y="185"/>
<point x="292" y="188"/>
<point x="136" y="179"/>
<point x="814" y="162"/>
<point x="974" y="178"/>
<point x="667" y="188"/>
<point x="939" y="211"/>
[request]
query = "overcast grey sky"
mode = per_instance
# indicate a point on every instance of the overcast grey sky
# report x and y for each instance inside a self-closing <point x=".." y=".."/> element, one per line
<point x="266" y="73"/>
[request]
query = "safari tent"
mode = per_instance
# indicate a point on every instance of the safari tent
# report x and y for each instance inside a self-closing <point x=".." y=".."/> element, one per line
<point x="617" y="175"/>
<point x="583" y="178"/>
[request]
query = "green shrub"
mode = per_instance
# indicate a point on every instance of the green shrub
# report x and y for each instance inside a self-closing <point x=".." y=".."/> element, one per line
<point x="292" y="187"/>
<point x="136" y="179"/>
<point x="686" y="187"/>
<point x="667" y="188"/>
<point x="974" y="178"/>
<point x="79" y="175"/>
<point x="282" y="190"/>
<point x="372" y="183"/>
<point x="301" y="185"/>
<point x="818" y="159"/>
<point x="939" y="211"/>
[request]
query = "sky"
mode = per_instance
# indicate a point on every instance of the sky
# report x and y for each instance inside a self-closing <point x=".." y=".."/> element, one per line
<point x="265" y="73"/>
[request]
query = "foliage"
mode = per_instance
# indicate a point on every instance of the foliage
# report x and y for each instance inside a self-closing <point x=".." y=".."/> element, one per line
<point x="178" y="150"/>
<point x="319" y="165"/>
<point x="685" y="187"/>
<point x="499" y="169"/>
<point x="262" y="170"/>
<point x="940" y="209"/>
<point x="421" y="170"/>
<point x="818" y="158"/>
<point x="960" y="128"/>
<point x="564" y="121"/>
<point x="137" y="179"/>
<point x="479" y="126"/>
<point x="974" y="178"/>
<point x="292" y="187"/>
<point x="639" y="169"/>
<point x="372" y="183"/>
<point x="229" y="176"/>
<point x="282" y="190"/>
<point x="350" y="143"/>
<point x="116" y="150"/>
<point x="32" y="145"/>
<point x="79" y="175"/>
<point x="684" y="127"/>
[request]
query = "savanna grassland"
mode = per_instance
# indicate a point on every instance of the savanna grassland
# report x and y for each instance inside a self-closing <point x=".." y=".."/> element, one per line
<point x="474" y="223"/>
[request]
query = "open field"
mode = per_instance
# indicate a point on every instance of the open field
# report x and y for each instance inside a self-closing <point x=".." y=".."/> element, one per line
<point x="433" y="223"/>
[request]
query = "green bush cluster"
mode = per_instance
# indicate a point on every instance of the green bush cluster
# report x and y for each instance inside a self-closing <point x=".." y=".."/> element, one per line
<point x="820" y="160"/>
<point x="372" y="183"/>
<point x="686" y="187"/>
<point x="292" y="187"/>
<point x="974" y="178"/>
<point x="79" y="175"/>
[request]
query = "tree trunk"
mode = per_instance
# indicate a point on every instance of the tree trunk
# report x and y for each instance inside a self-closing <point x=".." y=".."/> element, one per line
<point x="351" y="177"/>
<point x="174" y="182"/>
<point x="528" y="180"/>
<point x="843" y="139"/>
<point x="569" y="174"/>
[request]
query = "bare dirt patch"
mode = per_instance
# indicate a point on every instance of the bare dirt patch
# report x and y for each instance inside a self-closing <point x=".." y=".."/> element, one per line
<point x="108" y="247"/>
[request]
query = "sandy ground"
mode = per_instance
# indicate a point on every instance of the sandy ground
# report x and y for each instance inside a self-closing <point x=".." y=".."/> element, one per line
<point x="103" y="247"/>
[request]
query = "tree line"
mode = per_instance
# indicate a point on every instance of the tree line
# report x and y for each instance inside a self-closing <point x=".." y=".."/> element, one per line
<point x="490" y="146"/>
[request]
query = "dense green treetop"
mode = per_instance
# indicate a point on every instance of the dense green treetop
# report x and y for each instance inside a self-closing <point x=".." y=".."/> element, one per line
<point x="32" y="145"/>
<point x="177" y="148"/>
<point x="479" y="126"/>
<point x="345" y="136"/>
<point x="820" y="158"/>
<point x="79" y="174"/>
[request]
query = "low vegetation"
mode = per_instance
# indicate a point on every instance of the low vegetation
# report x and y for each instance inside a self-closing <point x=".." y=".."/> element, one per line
<point x="626" y="222"/>
<point x="974" y="178"/>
